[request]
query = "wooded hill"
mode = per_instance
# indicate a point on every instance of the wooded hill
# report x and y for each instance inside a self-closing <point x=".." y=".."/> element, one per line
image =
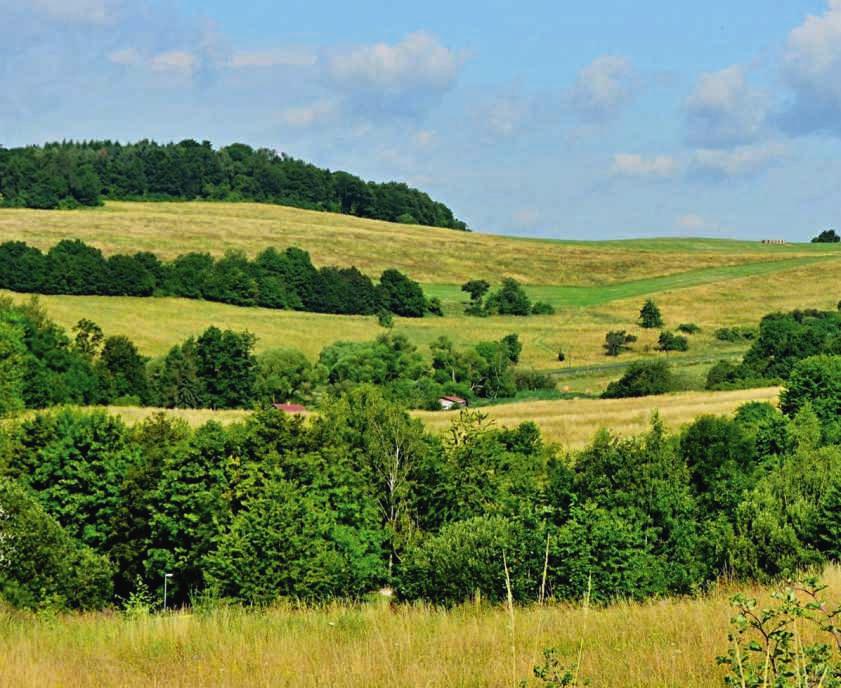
<point x="72" y="174"/>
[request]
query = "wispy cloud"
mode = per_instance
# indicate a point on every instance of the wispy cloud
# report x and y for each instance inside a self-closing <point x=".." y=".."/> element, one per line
<point x="724" y="110"/>
<point x="641" y="167"/>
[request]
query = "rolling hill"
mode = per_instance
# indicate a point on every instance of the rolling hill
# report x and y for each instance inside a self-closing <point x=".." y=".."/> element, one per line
<point x="594" y="286"/>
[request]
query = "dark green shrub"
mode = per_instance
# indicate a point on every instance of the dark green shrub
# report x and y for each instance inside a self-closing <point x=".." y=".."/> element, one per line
<point x="541" y="308"/>
<point x="40" y="564"/>
<point x="642" y="378"/>
<point x="689" y="328"/>
<point x="668" y="341"/>
<point x="615" y="342"/>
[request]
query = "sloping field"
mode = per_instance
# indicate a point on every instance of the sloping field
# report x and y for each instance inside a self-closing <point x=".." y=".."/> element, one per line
<point x="660" y="643"/>
<point x="572" y="423"/>
<point x="428" y="255"/>
<point x="156" y="324"/>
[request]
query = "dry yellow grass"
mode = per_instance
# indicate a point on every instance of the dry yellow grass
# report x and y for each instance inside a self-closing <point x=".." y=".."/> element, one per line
<point x="656" y="644"/>
<point x="572" y="423"/>
<point x="159" y="323"/>
<point x="427" y="254"/>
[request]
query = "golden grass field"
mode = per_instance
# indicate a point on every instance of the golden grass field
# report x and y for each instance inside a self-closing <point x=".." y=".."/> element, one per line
<point x="570" y="423"/>
<point x="661" y="643"/>
<point x="427" y="254"/>
<point x="596" y="286"/>
<point x="156" y="324"/>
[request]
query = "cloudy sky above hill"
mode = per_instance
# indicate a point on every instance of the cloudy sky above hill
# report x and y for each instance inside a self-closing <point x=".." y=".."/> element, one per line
<point x="598" y="120"/>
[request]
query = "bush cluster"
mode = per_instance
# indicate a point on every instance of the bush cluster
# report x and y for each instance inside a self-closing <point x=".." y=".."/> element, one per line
<point x="509" y="299"/>
<point x="41" y="366"/>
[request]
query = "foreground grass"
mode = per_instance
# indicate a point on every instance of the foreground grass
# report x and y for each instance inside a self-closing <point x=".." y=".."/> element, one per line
<point x="660" y="643"/>
<point x="427" y="254"/>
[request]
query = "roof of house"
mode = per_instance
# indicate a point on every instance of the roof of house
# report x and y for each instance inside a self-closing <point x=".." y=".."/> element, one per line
<point x="456" y="400"/>
<point x="290" y="408"/>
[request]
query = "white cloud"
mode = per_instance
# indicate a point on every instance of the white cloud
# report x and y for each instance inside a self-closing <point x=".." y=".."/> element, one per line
<point x="174" y="61"/>
<point x="418" y="61"/>
<point x="724" y="111"/>
<point x="506" y="115"/>
<point x="603" y="88"/>
<point x="273" y="58"/>
<point x="743" y="161"/>
<point x="632" y="165"/>
<point x="310" y="115"/>
<point x="811" y="66"/>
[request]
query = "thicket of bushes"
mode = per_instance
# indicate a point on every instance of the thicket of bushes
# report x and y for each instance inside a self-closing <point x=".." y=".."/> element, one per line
<point x="361" y="496"/>
<point x="783" y="339"/>
<point x="71" y="174"/>
<point x="274" y="279"/>
<point x="41" y="366"/>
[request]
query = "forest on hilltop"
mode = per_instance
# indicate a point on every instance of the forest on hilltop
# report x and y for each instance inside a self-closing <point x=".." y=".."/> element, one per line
<point x="72" y="174"/>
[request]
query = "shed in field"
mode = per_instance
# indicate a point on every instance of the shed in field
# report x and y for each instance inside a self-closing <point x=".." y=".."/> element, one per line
<point x="290" y="408"/>
<point x="449" y="403"/>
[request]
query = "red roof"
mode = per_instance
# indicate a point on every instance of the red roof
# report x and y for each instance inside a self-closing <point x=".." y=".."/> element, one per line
<point x="456" y="400"/>
<point x="290" y="408"/>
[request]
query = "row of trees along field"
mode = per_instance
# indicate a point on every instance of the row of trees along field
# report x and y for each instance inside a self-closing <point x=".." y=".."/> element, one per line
<point x="274" y="279"/>
<point x="41" y="365"/>
<point x="72" y="174"/>
<point x="94" y="513"/>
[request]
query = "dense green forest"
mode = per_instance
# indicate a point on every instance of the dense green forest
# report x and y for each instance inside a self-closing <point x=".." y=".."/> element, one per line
<point x="72" y="174"/>
<point x="95" y="512"/>
<point x="275" y="279"/>
<point x="360" y="496"/>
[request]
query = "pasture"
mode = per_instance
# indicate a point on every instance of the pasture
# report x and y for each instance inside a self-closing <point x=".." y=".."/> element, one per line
<point x="428" y="255"/>
<point x="594" y="286"/>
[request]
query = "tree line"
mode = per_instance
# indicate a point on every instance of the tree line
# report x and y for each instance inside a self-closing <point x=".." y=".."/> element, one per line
<point x="41" y="365"/>
<point x="95" y="512"/>
<point x="274" y="279"/>
<point x="72" y="174"/>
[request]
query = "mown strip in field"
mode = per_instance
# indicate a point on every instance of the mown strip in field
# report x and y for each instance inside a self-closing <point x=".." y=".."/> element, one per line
<point x="584" y="296"/>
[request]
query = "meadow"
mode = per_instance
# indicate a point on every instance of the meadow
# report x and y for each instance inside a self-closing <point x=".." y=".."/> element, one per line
<point x="672" y="642"/>
<point x="432" y="256"/>
<point x="570" y="423"/>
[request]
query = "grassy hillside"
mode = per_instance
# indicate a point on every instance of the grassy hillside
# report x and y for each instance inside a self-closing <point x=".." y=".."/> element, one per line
<point x="157" y="324"/>
<point x="429" y="255"/>
<point x="659" y="643"/>
<point x="595" y="286"/>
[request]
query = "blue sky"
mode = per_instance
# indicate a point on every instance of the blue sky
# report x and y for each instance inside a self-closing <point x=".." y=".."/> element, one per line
<point x="574" y="120"/>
